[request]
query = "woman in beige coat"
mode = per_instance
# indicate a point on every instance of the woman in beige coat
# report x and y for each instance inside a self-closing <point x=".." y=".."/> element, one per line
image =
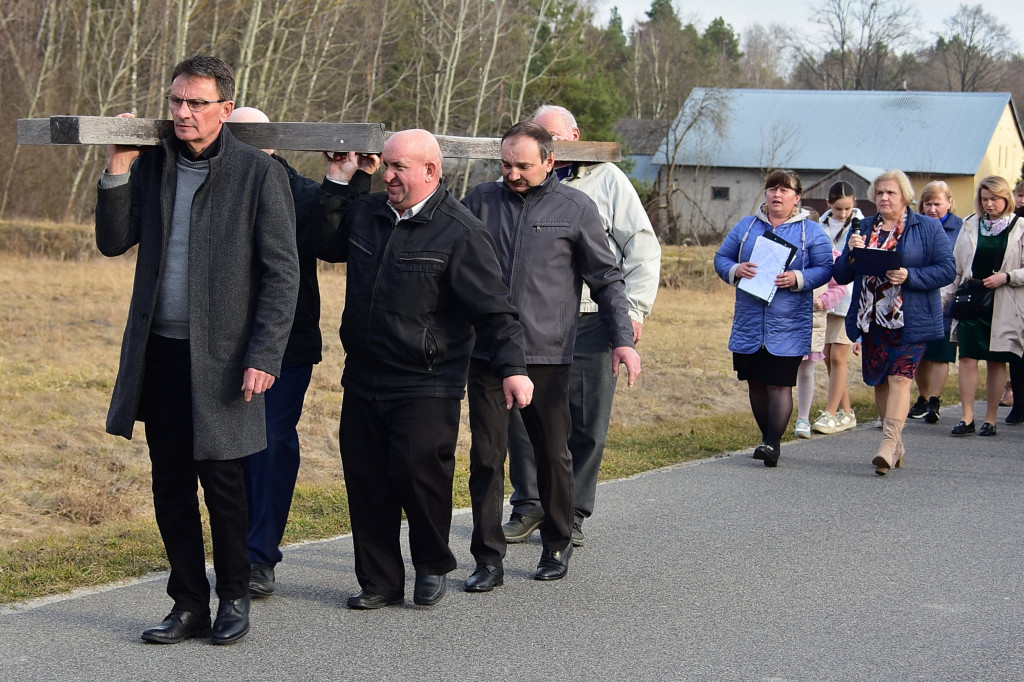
<point x="990" y="248"/>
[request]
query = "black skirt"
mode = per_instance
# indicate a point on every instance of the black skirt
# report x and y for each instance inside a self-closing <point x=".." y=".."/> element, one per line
<point x="766" y="368"/>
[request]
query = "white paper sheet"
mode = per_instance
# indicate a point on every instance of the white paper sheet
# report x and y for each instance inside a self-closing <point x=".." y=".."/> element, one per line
<point x="771" y="259"/>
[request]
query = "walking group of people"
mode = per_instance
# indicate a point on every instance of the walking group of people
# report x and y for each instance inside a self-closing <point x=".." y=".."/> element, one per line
<point x="532" y="292"/>
<point x="905" y="289"/>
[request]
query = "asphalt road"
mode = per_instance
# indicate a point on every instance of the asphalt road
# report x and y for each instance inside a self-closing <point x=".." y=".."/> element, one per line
<point x="717" y="570"/>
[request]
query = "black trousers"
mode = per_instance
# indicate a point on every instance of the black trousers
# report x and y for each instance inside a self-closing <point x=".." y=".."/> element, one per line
<point x="166" y="406"/>
<point x="399" y="454"/>
<point x="547" y="421"/>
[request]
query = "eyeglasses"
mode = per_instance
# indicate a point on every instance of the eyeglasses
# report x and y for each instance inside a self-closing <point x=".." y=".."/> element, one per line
<point x="195" y="105"/>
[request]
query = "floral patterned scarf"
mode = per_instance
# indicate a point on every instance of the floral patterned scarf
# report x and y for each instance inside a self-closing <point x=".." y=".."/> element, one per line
<point x="880" y="299"/>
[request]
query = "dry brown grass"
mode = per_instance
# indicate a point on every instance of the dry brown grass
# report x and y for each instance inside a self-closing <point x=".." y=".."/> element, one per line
<point x="60" y="332"/>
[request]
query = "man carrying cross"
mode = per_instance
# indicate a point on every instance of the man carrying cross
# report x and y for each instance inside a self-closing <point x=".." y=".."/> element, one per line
<point x="216" y="279"/>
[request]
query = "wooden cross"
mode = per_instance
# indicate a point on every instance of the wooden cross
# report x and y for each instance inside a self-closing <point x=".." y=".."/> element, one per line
<point x="310" y="137"/>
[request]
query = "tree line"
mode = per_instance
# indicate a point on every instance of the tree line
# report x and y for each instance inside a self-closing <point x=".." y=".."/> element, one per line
<point x="456" y="67"/>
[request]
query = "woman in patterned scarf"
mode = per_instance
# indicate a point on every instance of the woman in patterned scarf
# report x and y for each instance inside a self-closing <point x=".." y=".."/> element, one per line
<point x="898" y="313"/>
<point x="989" y="248"/>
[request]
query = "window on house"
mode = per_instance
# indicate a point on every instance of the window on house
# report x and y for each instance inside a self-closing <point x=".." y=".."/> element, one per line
<point x="720" y="193"/>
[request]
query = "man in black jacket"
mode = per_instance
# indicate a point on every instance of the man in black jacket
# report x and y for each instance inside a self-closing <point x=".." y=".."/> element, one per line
<point x="423" y="282"/>
<point x="270" y="474"/>
<point x="550" y="240"/>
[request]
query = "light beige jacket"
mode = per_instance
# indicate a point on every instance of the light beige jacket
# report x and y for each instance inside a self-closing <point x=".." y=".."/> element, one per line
<point x="1007" y="301"/>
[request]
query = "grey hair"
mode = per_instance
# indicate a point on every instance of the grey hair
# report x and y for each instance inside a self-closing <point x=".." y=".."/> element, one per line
<point x="567" y="117"/>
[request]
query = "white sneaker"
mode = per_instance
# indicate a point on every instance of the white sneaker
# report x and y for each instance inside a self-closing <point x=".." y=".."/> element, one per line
<point x="802" y="429"/>
<point x="878" y="423"/>
<point x="845" y="420"/>
<point x="825" y="423"/>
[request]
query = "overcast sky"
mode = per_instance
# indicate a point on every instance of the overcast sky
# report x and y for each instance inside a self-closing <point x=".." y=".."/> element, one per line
<point x="741" y="13"/>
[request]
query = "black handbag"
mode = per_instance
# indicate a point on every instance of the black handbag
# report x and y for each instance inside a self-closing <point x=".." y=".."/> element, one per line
<point x="972" y="299"/>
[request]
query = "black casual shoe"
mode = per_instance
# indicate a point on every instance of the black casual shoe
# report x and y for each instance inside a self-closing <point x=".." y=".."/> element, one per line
<point x="768" y="453"/>
<point x="261" y="580"/>
<point x="232" y="621"/>
<point x="553" y="564"/>
<point x="519" y="528"/>
<point x="364" y="600"/>
<point x="918" y="409"/>
<point x="429" y="589"/>
<point x="932" y="415"/>
<point x="578" y="538"/>
<point x="485" y="578"/>
<point x="178" y="626"/>
<point x="1015" y="416"/>
<point x="962" y="428"/>
<point x="987" y="429"/>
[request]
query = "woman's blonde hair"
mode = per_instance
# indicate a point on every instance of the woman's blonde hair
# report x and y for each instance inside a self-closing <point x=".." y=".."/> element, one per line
<point x="901" y="179"/>
<point x="998" y="186"/>
<point x="933" y="189"/>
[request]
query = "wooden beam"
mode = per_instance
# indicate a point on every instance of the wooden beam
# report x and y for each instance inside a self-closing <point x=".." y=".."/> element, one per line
<point x="357" y="137"/>
<point x="291" y="136"/>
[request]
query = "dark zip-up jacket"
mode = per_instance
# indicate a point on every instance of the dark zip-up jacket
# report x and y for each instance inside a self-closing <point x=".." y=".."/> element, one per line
<point x="416" y="291"/>
<point x="550" y="240"/>
<point x="312" y="227"/>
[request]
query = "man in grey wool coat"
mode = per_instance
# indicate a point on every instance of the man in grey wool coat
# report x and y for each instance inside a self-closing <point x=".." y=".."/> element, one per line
<point x="216" y="280"/>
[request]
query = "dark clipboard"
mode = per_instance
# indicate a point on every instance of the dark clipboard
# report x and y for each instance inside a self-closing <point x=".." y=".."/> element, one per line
<point x="875" y="262"/>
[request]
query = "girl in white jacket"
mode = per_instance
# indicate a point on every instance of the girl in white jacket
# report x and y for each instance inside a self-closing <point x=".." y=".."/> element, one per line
<point x="838" y="221"/>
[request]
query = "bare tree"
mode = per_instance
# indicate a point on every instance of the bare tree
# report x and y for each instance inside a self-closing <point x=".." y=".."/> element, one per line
<point x="975" y="49"/>
<point x="765" y="62"/>
<point x="857" y="47"/>
<point x="704" y="117"/>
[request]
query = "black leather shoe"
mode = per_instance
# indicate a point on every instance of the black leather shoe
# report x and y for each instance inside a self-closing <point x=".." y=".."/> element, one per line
<point x="179" y="625"/>
<point x="429" y="589"/>
<point x="769" y="454"/>
<point x="485" y="578"/>
<point x="962" y="428"/>
<point x="519" y="528"/>
<point x="369" y="600"/>
<point x="261" y="580"/>
<point x="1015" y="416"/>
<point x="232" y="622"/>
<point x="987" y="429"/>
<point x="554" y="565"/>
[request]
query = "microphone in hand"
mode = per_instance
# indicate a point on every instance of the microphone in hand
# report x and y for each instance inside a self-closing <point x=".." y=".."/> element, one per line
<point x="855" y="226"/>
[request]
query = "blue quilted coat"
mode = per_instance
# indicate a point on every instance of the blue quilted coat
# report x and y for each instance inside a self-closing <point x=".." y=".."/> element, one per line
<point x="784" y="325"/>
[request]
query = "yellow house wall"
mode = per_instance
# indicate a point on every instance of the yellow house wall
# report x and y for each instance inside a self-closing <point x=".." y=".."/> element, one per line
<point x="1004" y="157"/>
<point x="1005" y="152"/>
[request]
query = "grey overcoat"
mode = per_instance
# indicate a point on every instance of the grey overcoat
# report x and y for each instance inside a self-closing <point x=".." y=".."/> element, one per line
<point x="242" y="285"/>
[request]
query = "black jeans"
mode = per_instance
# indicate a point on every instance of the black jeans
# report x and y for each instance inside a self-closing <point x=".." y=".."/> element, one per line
<point x="547" y="422"/>
<point x="166" y="406"/>
<point x="399" y="454"/>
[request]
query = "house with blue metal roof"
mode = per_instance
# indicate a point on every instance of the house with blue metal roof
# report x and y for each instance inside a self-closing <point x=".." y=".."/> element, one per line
<point x="724" y="141"/>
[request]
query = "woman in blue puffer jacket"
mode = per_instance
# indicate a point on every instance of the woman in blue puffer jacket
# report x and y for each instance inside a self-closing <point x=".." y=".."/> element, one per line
<point x="899" y="313"/>
<point x="769" y="339"/>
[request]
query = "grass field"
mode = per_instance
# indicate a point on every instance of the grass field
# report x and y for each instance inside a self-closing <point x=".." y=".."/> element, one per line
<point x="75" y="505"/>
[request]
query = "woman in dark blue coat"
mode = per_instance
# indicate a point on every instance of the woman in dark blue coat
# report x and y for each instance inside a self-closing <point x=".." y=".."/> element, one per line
<point x="769" y="339"/>
<point x="936" y="202"/>
<point x="899" y="313"/>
